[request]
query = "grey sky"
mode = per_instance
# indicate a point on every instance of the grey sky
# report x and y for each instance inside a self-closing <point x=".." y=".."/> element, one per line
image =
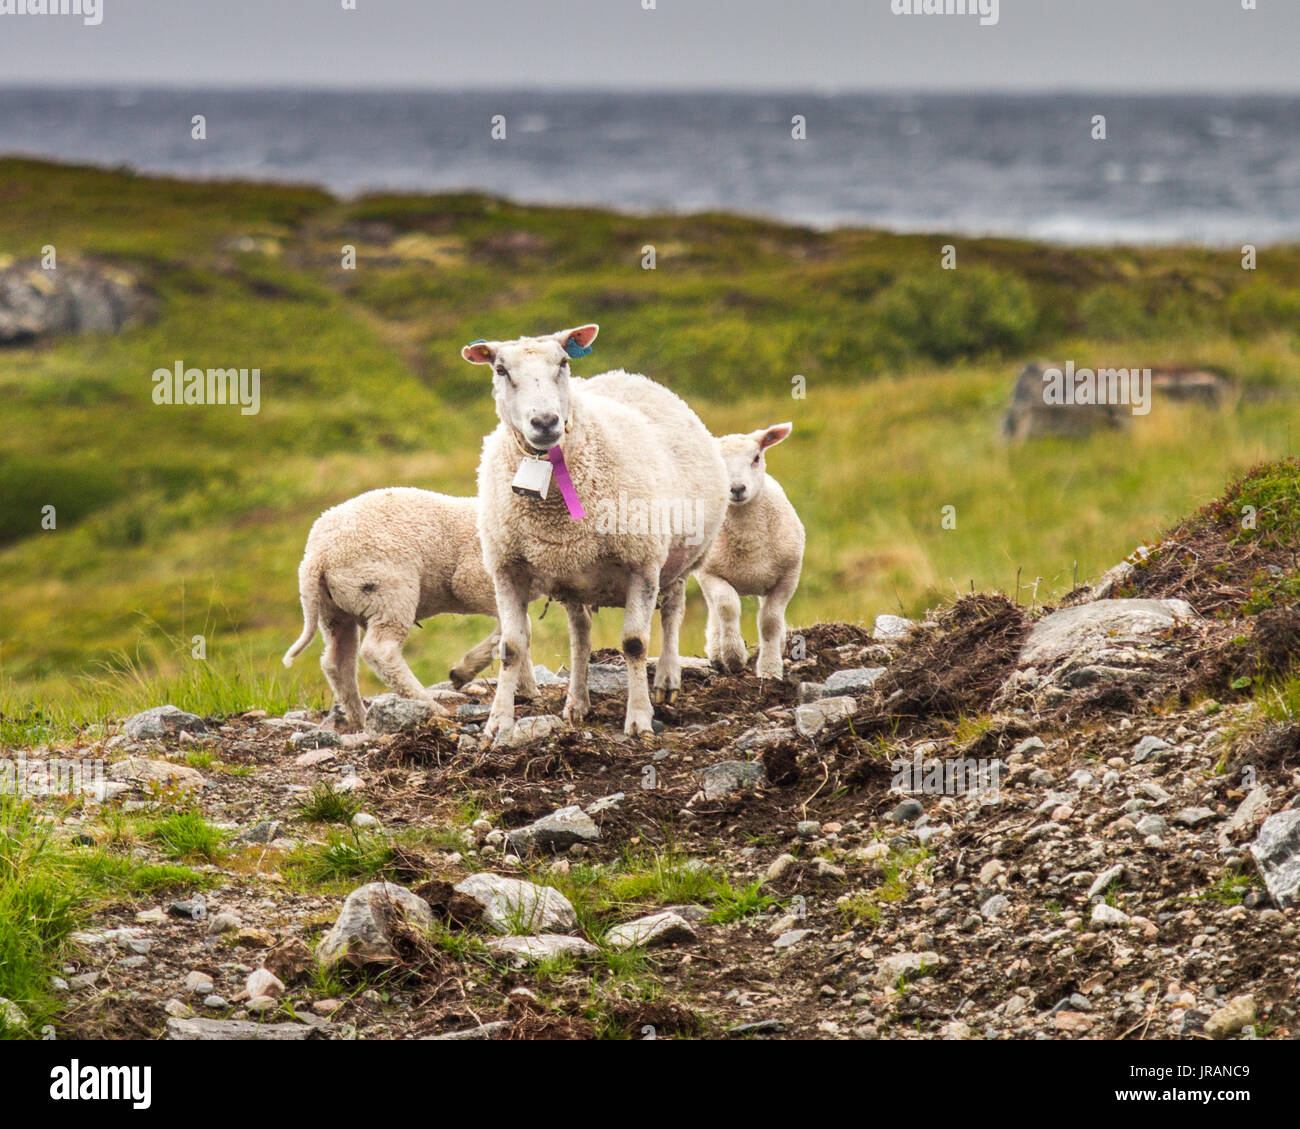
<point x="823" y="44"/>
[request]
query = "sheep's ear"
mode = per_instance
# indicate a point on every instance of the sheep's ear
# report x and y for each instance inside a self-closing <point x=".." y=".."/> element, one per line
<point x="577" y="342"/>
<point x="773" y="435"/>
<point x="479" y="353"/>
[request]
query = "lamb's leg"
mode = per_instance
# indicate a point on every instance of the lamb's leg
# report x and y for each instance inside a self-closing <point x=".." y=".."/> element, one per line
<point x="642" y="591"/>
<point x="339" y="662"/>
<point x="771" y="626"/>
<point x="724" y="646"/>
<point x="527" y="679"/>
<point x="577" y="702"/>
<point x="474" y="660"/>
<point x="668" y="671"/>
<point x="382" y="650"/>
<point x="512" y="609"/>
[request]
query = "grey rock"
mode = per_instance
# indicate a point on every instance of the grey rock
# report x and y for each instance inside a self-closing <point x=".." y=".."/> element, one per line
<point x="229" y="1030"/>
<point x="892" y="627"/>
<point x="1152" y="824"/>
<point x="527" y="730"/>
<point x="645" y="932"/>
<point x="391" y="713"/>
<point x="1276" y="851"/>
<point x="997" y="905"/>
<point x="728" y="777"/>
<point x="1237" y="1013"/>
<point x="1194" y="817"/>
<point x="12" y="1017"/>
<point x="1147" y="746"/>
<point x="361" y="933"/>
<point x="760" y="737"/>
<point x="511" y="905"/>
<point x="1106" y="916"/>
<point x="810" y="719"/>
<point x="909" y="965"/>
<point x="556" y="832"/>
<point x="316" y="739"/>
<point x="859" y="678"/>
<point x="605" y="803"/>
<point x="74" y="299"/>
<point x="545" y="946"/>
<point x="142" y="770"/>
<point x="162" y="721"/>
<point x="1108" y="878"/>
<point x="908" y="811"/>
<point x="264" y="832"/>
<point x="482" y="1033"/>
<point x="790" y="938"/>
<point x="1066" y="633"/>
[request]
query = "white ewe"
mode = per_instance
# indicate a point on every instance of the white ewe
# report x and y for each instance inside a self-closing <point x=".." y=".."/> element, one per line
<point x="638" y="494"/>
<point x="759" y="552"/>
<point x="383" y="561"/>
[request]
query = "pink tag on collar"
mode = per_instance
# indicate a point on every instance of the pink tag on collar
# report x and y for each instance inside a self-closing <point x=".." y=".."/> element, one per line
<point x="556" y="458"/>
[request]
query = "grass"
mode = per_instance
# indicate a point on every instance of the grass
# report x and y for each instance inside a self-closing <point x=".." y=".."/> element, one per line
<point x="900" y="868"/>
<point x="187" y="835"/>
<point x="185" y="540"/>
<point x="343" y="857"/>
<point x="324" y="804"/>
<point x="47" y="888"/>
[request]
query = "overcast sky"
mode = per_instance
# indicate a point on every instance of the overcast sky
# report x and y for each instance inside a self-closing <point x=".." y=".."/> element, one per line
<point x="821" y="44"/>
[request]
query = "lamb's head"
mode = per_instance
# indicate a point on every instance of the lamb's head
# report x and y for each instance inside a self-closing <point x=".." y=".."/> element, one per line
<point x="530" y="379"/>
<point x="746" y="460"/>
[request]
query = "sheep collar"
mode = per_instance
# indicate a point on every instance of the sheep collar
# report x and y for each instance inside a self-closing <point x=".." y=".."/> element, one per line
<point x="559" y="468"/>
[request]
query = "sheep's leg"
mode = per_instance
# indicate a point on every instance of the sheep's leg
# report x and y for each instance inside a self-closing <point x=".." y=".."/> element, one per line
<point x="668" y="671"/>
<point x="771" y="626"/>
<point x="382" y="650"/>
<point x="512" y="610"/>
<point x="339" y="662"/>
<point x="577" y="702"/>
<point x="642" y="591"/>
<point x="474" y="660"/>
<point x="725" y="645"/>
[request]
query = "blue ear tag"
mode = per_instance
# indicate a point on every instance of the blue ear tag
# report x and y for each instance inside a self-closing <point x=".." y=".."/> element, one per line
<point x="480" y="341"/>
<point x="575" y="350"/>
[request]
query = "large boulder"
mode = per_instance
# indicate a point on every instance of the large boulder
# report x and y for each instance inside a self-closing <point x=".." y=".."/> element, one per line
<point x="1277" y="854"/>
<point x="1106" y="644"/>
<point x="37" y="303"/>
<point x="362" y="934"/>
<point x="162" y="721"/>
<point x="511" y="905"/>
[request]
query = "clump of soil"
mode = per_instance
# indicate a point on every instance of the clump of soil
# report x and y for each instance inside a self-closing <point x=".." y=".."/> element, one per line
<point x="1231" y="663"/>
<point x="954" y="669"/>
<point x="1235" y="556"/>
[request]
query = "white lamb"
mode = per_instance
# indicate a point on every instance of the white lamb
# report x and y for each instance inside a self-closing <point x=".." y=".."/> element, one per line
<point x="383" y="561"/>
<point x="759" y="552"/>
<point x="646" y="494"/>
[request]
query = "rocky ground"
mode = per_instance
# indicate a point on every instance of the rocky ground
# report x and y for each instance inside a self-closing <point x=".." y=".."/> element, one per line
<point x="1089" y="845"/>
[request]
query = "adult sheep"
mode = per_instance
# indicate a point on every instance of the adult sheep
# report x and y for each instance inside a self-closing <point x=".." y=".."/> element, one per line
<point x="383" y="561"/>
<point x="638" y="494"/>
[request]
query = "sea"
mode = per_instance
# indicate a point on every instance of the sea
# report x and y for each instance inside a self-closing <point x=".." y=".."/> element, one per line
<point x="1203" y="169"/>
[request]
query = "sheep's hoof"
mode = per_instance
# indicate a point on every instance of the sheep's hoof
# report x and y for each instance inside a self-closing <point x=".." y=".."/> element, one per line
<point x="574" y="714"/>
<point x="665" y="696"/>
<point x="770" y="671"/>
<point x="638" y="724"/>
<point x="498" y="727"/>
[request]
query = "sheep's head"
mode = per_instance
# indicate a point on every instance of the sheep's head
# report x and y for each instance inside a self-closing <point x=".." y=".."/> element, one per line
<point x="530" y="380"/>
<point x="746" y="459"/>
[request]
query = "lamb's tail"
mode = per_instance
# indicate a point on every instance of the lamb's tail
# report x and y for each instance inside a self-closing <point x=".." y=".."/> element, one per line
<point x="310" y="616"/>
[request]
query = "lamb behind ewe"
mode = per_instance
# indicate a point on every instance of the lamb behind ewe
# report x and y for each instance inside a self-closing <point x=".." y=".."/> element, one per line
<point x="758" y="553"/>
<point x="638" y="494"/>
<point x="383" y="561"/>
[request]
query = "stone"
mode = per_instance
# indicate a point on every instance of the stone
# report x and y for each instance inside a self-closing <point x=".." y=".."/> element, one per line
<point x="726" y="778"/>
<point x="1108" y="878"/>
<point x="361" y="933"/>
<point x="556" y="832"/>
<point x="199" y="984"/>
<point x="315" y="739"/>
<point x="1105" y="916"/>
<point x="142" y="770"/>
<point x="228" y="1030"/>
<point x="1152" y="825"/>
<point x="892" y="627"/>
<point x="810" y="719"/>
<point x="645" y="932"/>
<point x="1194" y="817"/>
<point x="77" y="298"/>
<point x="364" y="821"/>
<point x="483" y="1032"/>
<point x="1063" y="634"/>
<point x="1147" y="746"/>
<point x="808" y="828"/>
<point x="909" y="811"/>
<point x="12" y="1017"/>
<point x="162" y="721"/>
<point x="904" y="965"/>
<point x="1276" y="851"/>
<point x="391" y="713"/>
<point x="527" y="730"/>
<point x="789" y="938"/>
<point x="223" y="923"/>
<point x="314" y="757"/>
<point x="1237" y="1013"/>
<point x="859" y="678"/>
<point x="545" y="946"/>
<point x="511" y="905"/>
<point x="263" y="982"/>
<point x="605" y="803"/>
<point x="261" y="833"/>
<point x="779" y="867"/>
<point x="995" y="907"/>
<point x="290" y="960"/>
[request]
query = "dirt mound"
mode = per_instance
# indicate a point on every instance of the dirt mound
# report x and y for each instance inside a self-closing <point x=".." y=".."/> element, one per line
<point x="1236" y="556"/>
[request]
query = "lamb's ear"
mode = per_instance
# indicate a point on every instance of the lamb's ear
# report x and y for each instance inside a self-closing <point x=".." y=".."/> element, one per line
<point x="773" y="435"/>
<point x="577" y="342"/>
<point x="479" y="353"/>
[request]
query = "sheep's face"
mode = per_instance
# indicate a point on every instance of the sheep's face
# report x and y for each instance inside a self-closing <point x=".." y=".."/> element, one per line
<point x="530" y="380"/>
<point x="745" y="457"/>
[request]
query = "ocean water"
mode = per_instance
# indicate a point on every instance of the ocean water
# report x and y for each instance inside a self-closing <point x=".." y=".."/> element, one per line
<point x="1203" y="169"/>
